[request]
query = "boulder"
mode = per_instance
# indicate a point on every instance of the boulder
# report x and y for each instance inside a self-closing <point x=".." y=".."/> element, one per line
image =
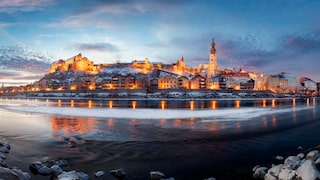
<point x="156" y="175"/>
<point x="72" y="175"/>
<point x="99" y="174"/>
<point x="275" y="170"/>
<point x="35" y="166"/>
<point x="313" y="155"/>
<point x="260" y="172"/>
<point x="300" y="156"/>
<point x="287" y="174"/>
<point x="56" y="170"/>
<point x="4" y="147"/>
<point x="119" y="173"/>
<point x="280" y="158"/>
<point x="308" y="171"/>
<point x="292" y="162"/>
<point x="270" y="177"/>
<point x="44" y="170"/>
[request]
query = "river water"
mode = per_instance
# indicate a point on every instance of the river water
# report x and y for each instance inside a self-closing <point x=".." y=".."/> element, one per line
<point x="184" y="139"/>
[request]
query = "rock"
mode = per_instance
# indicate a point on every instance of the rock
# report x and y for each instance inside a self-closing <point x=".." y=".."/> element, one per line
<point x="4" y="147"/>
<point x="313" y="155"/>
<point x="308" y="171"/>
<point x="300" y="148"/>
<point x="3" y="157"/>
<point x="317" y="161"/>
<point x="6" y="173"/>
<point x="99" y="174"/>
<point x="3" y="163"/>
<point x="270" y="177"/>
<point x="300" y="156"/>
<point x="275" y="170"/>
<point x="292" y="162"/>
<point x="60" y="163"/>
<point x="14" y="173"/>
<point x="56" y="170"/>
<point x="287" y="174"/>
<point x="280" y="158"/>
<point x="119" y="173"/>
<point x="21" y="174"/>
<point x="255" y="168"/>
<point x="210" y="178"/>
<point x="44" y="170"/>
<point x="72" y="175"/>
<point x="260" y="172"/>
<point x="35" y="166"/>
<point x="156" y="175"/>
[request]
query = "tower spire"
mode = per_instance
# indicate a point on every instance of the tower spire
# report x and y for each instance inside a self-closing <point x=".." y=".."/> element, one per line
<point x="213" y="65"/>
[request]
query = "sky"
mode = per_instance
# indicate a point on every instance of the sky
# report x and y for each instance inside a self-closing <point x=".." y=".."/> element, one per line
<point x="269" y="36"/>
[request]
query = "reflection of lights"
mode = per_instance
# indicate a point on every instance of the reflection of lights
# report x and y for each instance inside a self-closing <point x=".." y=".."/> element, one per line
<point x="110" y="104"/>
<point x="294" y="102"/>
<point x="273" y="103"/>
<point x="238" y="126"/>
<point x="72" y="103"/>
<point x="163" y="104"/>
<point x="213" y="127"/>
<point x="264" y="103"/>
<point x="313" y="101"/>
<point x="134" y="104"/>
<point x="47" y="102"/>
<point x="90" y="104"/>
<point x="191" y="105"/>
<point x="59" y="103"/>
<point x="264" y="122"/>
<point x="133" y="121"/>
<point x="110" y="122"/>
<point x="308" y="102"/>
<point x="237" y="104"/>
<point x="162" y="122"/>
<point x="274" y="121"/>
<point x="214" y="104"/>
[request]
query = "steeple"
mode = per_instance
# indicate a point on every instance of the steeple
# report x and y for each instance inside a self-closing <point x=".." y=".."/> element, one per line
<point x="213" y="47"/>
<point x="212" y="66"/>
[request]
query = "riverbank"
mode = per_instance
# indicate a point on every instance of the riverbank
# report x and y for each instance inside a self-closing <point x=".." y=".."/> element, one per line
<point x="160" y="94"/>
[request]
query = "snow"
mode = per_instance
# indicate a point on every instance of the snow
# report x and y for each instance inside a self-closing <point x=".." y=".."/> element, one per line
<point x="308" y="171"/>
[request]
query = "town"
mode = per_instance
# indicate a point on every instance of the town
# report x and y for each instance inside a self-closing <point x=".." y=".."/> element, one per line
<point x="78" y="73"/>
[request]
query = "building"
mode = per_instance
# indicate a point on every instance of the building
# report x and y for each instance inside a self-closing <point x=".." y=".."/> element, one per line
<point x="198" y="82"/>
<point x="213" y="65"/>
<point x="168" y="82"/>
<point x="308" y="86"/>
<point x="274" y="83"/>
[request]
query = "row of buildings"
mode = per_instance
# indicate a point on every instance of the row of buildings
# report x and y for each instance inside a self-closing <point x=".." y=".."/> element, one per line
<point x="79" y="73"/>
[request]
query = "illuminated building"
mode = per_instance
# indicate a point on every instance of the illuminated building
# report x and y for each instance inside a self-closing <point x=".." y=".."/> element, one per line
<point x="212" y="66"/>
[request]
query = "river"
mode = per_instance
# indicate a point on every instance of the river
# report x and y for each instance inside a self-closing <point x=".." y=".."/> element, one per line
<point x="184" y="139"/>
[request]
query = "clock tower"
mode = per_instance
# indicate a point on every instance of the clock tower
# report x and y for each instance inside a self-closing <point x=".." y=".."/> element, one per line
<point x="212" y="66"/>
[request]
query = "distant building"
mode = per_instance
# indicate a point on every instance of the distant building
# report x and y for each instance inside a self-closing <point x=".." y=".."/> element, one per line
<point x="213" y="65"/>
<point x="274" y="83"/>
<point x="308" y="86"/>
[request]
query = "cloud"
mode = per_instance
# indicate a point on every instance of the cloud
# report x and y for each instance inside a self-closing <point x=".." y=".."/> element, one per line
<point x="100" y="47"/>
<point x="305" y="42"/>
<point x="11" y="6"/>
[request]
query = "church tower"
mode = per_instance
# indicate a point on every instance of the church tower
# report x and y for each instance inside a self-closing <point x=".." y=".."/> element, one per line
<point x="212" y="66"/>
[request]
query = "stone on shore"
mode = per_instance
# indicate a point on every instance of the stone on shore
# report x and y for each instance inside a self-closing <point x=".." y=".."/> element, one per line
<point x="280" y="158"/>
<point x="4" y="147"/>
<point x="275" y="170"/>
<point x="260" y="172"/>
<point x="56" y="170"/>
<point x="308" y="171"/>
<point x="313" y="155"/>
<point x="156" y="175"/>
<point x="72" y="175"/>
<point x="119" y="173"/>
<point x="99" y="174"/>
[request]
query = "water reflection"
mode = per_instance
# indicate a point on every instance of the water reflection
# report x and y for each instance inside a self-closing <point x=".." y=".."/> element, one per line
<point x="191" y="105"/>
<point x="308" y="102"/>
<point x="110" y="104"/>
<point x="237" y="104"/>
<point x="90" y="104"/>
<point x="134" y="104"/>
<point x="72" y="125"/>
<point x="273" y="103"/>
<point x="294" y="102"/>
<point x="264" y="103"/>
<point x="274" y="120"/>
<point x="214" y="104"/>
<point x="72" y="103"/>
<point x="163" y="104"/>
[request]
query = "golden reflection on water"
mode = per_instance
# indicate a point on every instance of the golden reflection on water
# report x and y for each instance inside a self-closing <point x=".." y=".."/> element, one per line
<point x="264" y="122"/>
<point x="59" y="103"/>
<point x="273" y="103"/>
<point x="294" y="102"/>
<point x="163" y="122"/>
<point x="237" y="104"/>
<point x="72" y="103"/>
<point x="73" y="125"/>
<point x="191" y="105"/>
<point x="308" y="102"/>
<point x="163" y="104"/>
<point x="134" y="104"/>
<point x="89" y="103"/>
<point x="110" y="104"/>
<point x="110" y="122"/>
<point x="314" y="101"/>
<point x="177" y="123"/>
<point x="214" y="104"/>
<point x="264" y="103"/>
<point x="47" y="102"/>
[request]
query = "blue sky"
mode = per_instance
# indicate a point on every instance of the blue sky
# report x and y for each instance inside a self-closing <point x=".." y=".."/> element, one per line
<point x="267" y="36"/>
